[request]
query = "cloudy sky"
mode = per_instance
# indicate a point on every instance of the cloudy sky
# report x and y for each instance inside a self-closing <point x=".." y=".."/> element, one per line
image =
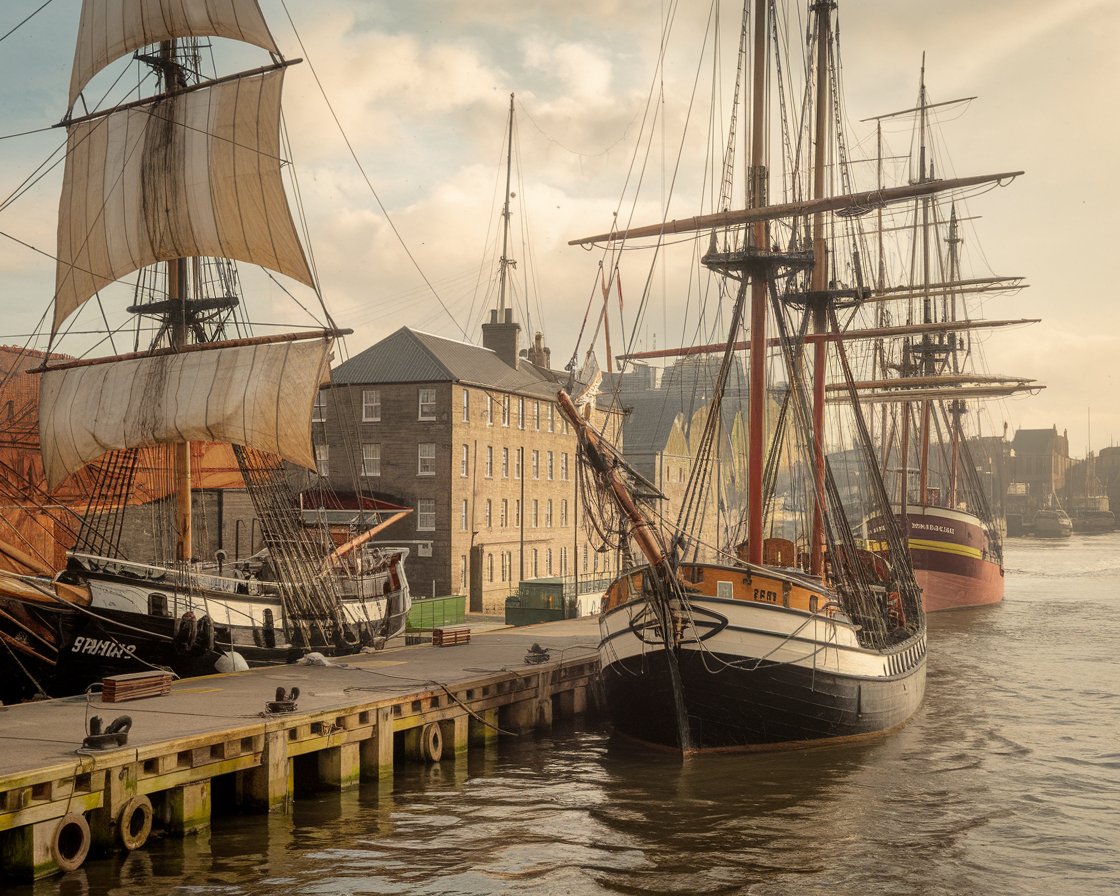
<point x="407" y="234"/>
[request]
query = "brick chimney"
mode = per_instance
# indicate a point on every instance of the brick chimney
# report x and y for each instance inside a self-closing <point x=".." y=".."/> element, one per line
<point x="540" y="354"/>
<point x="503" y="337"/>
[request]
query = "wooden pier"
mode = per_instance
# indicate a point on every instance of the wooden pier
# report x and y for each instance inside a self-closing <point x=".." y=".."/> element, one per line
<point x="63" y="800"/>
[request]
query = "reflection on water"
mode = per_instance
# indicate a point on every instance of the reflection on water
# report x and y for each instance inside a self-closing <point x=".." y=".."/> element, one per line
<point x="1006" y="782"/>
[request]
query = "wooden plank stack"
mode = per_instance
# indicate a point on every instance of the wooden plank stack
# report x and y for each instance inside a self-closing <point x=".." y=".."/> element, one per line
<point x="135" y="686"/>
<point x="450" y="635"/>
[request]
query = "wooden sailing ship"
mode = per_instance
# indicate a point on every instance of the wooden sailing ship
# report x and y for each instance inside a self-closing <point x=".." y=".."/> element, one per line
<point x="795" y="641"/>
<point x="924" y="383"/>
<point x="178" y="186"/>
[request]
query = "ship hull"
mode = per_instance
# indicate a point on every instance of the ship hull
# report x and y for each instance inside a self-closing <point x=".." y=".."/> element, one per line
<point x="955" y="561"/>
<point x="138" y="620"/>
<point x="754" y="677"/>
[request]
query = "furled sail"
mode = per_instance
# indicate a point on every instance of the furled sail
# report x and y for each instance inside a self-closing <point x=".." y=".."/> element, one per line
<point x="257" y="395"/>
<point x="110" y="29"/>
<point x="197" y="174"/>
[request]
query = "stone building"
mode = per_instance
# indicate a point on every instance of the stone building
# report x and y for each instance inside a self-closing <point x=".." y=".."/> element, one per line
<point x="1040" y="462"/>
<point x="472" y="438"/>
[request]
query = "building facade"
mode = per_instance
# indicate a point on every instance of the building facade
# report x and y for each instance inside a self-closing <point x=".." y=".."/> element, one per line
<point x="472" y="438"/>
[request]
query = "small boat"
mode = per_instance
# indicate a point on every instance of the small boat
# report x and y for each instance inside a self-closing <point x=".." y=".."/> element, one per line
<point x="1051" y="522"/>
<point x="1094" y="521"/>
<point x="781" y="642"/>
<point x="169" y="190"/>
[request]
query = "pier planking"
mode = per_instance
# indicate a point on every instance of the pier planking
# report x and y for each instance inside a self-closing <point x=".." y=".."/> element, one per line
<point x="353" y="720"/>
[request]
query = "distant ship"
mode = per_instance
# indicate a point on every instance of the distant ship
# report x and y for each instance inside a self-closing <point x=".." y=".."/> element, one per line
<point x="924" y="379"/>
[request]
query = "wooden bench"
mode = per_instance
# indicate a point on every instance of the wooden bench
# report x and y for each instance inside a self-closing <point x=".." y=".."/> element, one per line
<point x="450" y="635"/>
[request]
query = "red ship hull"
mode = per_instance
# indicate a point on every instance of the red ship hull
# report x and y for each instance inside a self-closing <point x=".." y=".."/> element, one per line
<point x="955" y="563"/>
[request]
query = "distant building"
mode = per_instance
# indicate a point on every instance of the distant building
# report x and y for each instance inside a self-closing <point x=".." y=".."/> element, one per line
<point x="666" y="416"/>
<point x="472" y="438"/>
<point x="1040" y="462"/>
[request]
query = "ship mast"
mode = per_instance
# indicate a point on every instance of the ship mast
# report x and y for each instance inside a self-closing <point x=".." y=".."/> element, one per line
<point x="505" y="261"/>
<point x="177" y="293"/>
<point x="759" y="291"/>
<point x="819" y="300"/>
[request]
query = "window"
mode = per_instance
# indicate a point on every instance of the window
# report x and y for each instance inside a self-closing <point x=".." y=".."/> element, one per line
<point x="505" y="410"/>
<point x="489" y="411"/>
<point x="505" y="463"/>
<point x="504" y="518"/>
<point x="322" y="459"/>
<point x="465" y="463"/>
<point x="426" y="515"/>
<point x="564" y="466"/>
<point x="548" y="514"/>
<point x="426" y="452"/>
<point x="537" y="415"/>
<point x="489" y="461"/>
<point x="563" y="561"/>
<point x="585" y="559"/>
<point x="517" y="514"/>
<point x="564" y="513"/>
<point x="536" y="512"/>
<point x="504" y="565"/>
<point x="517" y="463"/>
<point x="551" y="420"/>
<point x="319" y="409"/>
<point x="489" y="514"/>
<point x="548" y="562"/>
<point x="551" y="464"/>
<point x="371" y="460"/>
<point x="371" y="405"/>
<point x="466" y="406"/>
<point x="536" y="464"/>
<point x="489" y="567"/>
<point x="521" y="413"/>
<point x="463" y="571"/>
<point x="535" y="573"/>
<point x="464" y="519"/>
<point x="427" y="405"/>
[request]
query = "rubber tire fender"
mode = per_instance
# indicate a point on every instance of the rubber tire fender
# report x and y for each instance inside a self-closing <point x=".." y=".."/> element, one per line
<point x="134" y="824"/>
<point x="431" y="742"/>
<point x="70" y="842"/>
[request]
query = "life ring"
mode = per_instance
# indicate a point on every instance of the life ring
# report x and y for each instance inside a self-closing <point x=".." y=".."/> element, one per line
<point x="134" y="824"/>
<point x="431" y="743"/>
<point x="70" y="843"/>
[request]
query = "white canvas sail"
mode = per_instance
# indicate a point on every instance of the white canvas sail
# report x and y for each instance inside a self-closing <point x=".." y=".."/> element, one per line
<point x="258" y="395"/>
<point x="194" y="175"/>
<point x="110" y="29"/>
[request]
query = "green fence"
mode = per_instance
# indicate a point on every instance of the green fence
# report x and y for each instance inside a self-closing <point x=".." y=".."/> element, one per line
<point x="432" y="612"/>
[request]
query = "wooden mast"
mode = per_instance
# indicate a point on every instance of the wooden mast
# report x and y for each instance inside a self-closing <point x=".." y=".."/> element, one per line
<point x="819" y="301"/>
<point x="505" y="262"/>
<point x="178" y="292"/>
<point x="927" y="362"/>
<point x="760" y="237"/>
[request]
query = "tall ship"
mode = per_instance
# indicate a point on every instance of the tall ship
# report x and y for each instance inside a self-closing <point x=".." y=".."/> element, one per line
<point x="163" y="195"/>
<point x="775" y="641"/>
<point x="927" y="382"/>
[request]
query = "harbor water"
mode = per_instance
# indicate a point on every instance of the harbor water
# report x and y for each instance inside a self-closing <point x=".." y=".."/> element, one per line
<point x="1006" y="782"/>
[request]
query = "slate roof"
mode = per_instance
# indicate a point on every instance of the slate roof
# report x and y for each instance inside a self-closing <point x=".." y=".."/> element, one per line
<point x="1040" y="441"/>
<point x="646" y="429"/>
<point x="410" y="356"/>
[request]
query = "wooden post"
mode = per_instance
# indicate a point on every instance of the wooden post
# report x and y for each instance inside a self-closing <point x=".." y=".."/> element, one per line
<point x="483" y="733"/>
<point x="340" y="767"/>
<point x="187" y="809"/>
<point x="269" y="786"/>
